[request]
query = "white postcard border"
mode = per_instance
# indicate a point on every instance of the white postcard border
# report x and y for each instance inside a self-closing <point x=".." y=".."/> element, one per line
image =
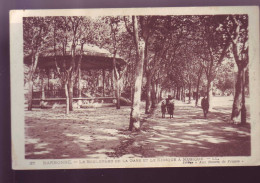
<point x="17" y="95"/>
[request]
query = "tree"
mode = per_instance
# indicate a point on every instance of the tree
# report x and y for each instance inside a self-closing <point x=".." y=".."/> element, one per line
<point x="35" y="34"/>
<point x="147" y="24"/>
<point x="139" y="40"/>
<point x="215" y="48"/>
<point x="165" y="44"/>
<point x="224" y="79"/>
<point x="199" y="74"/>
<point x="113" y="22"/>
<point x="237" y="33"/>
<point x="68" y="34"/>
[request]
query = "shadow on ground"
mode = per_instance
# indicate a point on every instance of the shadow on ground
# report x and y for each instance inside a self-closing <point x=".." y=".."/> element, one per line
<point x="102" y="133"/>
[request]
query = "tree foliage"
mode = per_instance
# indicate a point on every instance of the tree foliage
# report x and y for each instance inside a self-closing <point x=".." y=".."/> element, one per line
<point x="176" y="53"/>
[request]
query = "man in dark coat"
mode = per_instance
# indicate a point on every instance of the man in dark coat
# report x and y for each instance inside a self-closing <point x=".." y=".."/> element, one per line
<point x="171" y="109"/>
<point x="205" y="106"/>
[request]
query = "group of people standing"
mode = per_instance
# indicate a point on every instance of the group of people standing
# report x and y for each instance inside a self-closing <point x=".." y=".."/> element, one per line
<point x="169" y="106"/>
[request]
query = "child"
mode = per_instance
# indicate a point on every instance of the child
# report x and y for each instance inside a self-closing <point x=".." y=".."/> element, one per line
<point x="163" y="109"/>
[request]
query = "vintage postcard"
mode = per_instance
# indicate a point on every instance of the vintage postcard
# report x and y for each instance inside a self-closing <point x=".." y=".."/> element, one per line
<point x="135" y="87"/>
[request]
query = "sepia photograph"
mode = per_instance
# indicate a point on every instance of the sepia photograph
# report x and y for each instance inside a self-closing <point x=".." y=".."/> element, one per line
<point x="119" y="88"/>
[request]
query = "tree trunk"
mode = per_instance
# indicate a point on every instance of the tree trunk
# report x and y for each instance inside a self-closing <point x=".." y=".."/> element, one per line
<point x="183" y="93"/>
<point x="70" y="92"/>
<point x="72" y="74"/>
<point x="43" y="93"/>
<point x="239" y="109"/>
<point x="30" y="80"/>
<point x="160" y="94"/>
<point x="243" y="108"/>
<point x="148" y="80"/>
<point x="135" y="110"/>
<point x="178" y="93"/>
<point x="48" y="78"/>
<point x="209" y="93"/>
<point x="117" y="95"/>
<point x="79" y="82"/>
<point x="116" y="84"/>
<point x="197" y="89"/>
<point x="158" y="91"/>
<point x="112" y="82"/>
<point x="131" y="93"/>
<point x="30" y="88"/>
<point x="148" y="93"/>
<point x="103" y="72"/>
<point x="189" y="92"/>
<point x="67" y="97"/>
<point x="153" y="95"/>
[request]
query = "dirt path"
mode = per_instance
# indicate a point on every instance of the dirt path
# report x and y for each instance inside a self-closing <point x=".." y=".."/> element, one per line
<point x="102" y="133"/>
<point x="190" y="134"/>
